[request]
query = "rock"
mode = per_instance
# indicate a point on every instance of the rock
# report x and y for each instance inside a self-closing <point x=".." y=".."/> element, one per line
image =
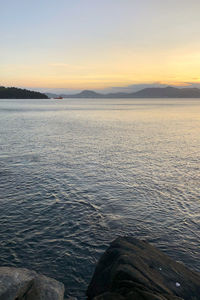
<point x="23" y="284"/>
<point x="131" y="269"/>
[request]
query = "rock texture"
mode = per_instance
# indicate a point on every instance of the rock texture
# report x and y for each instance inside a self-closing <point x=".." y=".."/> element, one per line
<point x="134" y="270"/>
<point x="23" y="284"/>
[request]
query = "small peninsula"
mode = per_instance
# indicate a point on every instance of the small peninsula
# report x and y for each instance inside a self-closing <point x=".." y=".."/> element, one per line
<point x="17" y="93"/>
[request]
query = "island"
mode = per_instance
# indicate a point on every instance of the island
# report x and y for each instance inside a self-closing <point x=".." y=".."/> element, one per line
<point x="17" y="93"/>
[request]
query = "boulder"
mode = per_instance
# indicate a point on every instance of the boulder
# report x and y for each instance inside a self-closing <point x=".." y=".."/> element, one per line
<point x="24" y="284"/>
<point x="131" y="269"/>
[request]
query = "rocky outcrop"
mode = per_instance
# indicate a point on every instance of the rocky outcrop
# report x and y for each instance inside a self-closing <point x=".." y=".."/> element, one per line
<point x="134" y="270"/>
<point x="129" y="270"/>
<point x="23" y="284"/>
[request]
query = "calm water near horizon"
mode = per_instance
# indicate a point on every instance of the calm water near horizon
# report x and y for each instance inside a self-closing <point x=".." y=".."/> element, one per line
<point x="77" y="173"/>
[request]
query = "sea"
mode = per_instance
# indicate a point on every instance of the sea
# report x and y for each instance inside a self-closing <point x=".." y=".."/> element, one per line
<point x="77" y="173"/>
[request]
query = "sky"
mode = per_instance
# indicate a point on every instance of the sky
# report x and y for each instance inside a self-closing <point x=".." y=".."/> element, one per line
<point x="70" y="45"/>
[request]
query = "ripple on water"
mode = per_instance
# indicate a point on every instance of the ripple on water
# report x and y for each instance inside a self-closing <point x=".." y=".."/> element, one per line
<point x="74" y="177"/>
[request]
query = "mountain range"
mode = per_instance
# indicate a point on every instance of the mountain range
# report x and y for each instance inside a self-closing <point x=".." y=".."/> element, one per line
<point x="166" y="92"/>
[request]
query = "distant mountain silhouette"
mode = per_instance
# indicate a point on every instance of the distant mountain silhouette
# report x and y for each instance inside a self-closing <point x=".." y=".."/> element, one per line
<point x="16" y="93"/>
<point x="51" y="95"/>
<point x="167" y="92"/>
<point x="85" y="94"/>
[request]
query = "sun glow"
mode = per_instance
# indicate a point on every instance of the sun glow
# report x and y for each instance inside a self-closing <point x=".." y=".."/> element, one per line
<point x="132" y="43"/>
<point x="173" y="69"/>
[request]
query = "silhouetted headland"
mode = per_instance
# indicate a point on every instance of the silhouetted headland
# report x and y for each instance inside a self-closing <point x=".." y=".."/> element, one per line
<point x="16" y="93"/>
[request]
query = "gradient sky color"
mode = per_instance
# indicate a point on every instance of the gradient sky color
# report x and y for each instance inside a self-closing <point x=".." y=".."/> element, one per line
<point x="99" y="44"/>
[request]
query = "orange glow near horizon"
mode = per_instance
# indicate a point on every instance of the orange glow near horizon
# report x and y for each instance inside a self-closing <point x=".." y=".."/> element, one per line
<point x="99" y="44"/>
<point x="89" y="85"/>
<point x="93" y="83"/>
<point x="167" y="67"/>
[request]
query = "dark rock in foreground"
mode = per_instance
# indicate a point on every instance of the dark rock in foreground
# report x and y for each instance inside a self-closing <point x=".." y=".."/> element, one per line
<point x="129" y="270"/>
<point x="134" y="270"/>
<point x="23" y="284"/>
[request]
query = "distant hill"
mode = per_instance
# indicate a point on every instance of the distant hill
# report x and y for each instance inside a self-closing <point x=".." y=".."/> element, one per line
<point x="167" y="92"/>
<point x="84" y="94"/>
<point x="51" y="95"/>
<point x="16" y="93"/>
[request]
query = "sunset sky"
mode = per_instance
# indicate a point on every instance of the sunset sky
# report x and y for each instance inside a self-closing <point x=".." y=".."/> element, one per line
<point x="98" y="44"/>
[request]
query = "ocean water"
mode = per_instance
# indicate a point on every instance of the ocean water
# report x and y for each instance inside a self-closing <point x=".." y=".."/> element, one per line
<point x="77" y="173"/>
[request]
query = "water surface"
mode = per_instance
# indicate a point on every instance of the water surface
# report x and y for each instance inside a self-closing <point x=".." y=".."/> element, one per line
<point x="77" y="173"/>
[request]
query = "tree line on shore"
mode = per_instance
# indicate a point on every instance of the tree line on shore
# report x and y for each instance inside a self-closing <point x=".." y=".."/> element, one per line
<point x="17" y="93"/>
